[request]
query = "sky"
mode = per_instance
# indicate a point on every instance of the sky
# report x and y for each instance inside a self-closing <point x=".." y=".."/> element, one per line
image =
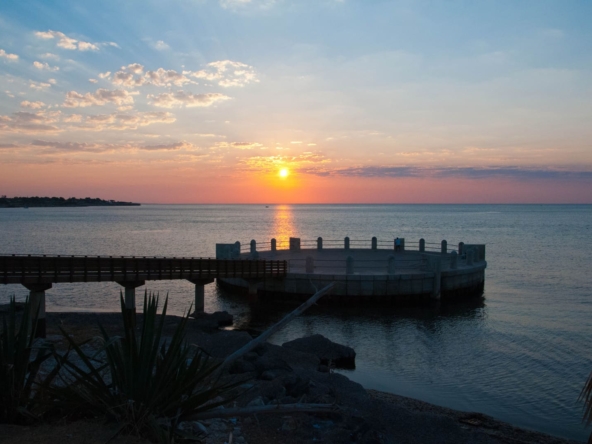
<point x="357" y="101"/>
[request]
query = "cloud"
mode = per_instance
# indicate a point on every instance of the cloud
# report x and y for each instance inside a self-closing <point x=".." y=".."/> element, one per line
<point x="226" y="73"/>
<point x="39" y="86"/>
<point x="32" y="105"/>
<point x="99" y="97"/>
<point x="7" y="146"/>
<point x="45" y="66"/>
<point x="122" y="121"/>
<point x="240" y="4"/>
<point x="104" y="75"/>
<point x="49" y="55"/>
<point x="93" y="80"/>
<point x="304" y="162"/>
<point x="30" y="122"/>
<point x="246" y="145"/>
<point x="55" y="147"/>
<point x="461" y="173"/>
<point x="181" y="98"/>
<point x="168" y="147"/>
<point x="7" y="56"/>
<point x="65" y="42"/>
<point x="161" y="46"/>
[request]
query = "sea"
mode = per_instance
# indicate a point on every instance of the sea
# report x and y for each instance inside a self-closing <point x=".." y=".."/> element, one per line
<point x="520" y="353"/>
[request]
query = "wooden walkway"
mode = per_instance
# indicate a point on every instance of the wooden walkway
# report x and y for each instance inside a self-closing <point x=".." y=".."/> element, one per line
<point x="44" y="269"/>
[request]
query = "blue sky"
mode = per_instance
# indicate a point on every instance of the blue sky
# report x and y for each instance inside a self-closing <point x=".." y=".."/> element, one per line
<point x="226" y="88"/>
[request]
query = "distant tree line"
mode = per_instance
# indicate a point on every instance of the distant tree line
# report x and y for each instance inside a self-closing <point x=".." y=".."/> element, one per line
<point x="36" y="201"/>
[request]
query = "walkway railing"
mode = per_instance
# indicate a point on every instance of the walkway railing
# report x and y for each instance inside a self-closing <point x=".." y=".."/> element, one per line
<point x="33" y="269"/>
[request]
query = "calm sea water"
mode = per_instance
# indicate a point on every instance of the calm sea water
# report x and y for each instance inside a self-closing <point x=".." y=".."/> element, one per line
<point x="521" y="354"/>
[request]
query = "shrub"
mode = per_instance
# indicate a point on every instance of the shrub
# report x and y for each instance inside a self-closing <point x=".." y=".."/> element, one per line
<point x="144" y="382"/>
<point x="20" y="360"/>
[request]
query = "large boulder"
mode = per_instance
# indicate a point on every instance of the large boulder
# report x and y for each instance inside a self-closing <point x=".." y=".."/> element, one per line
<point x="326" y="350"/>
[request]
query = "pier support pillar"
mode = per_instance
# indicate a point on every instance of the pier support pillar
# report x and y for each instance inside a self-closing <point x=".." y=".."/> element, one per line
<point x="422" y="245"/>
<point x="200" y="293"/>
<point x="310" y="264"/>
<point x="253" y="296"/>
<point x="130" y="299"/>
<point x="374" y="243"/>
<point x="391" y="264"/>
<point x="37" y="307"/>
<point x="349" y="265"/>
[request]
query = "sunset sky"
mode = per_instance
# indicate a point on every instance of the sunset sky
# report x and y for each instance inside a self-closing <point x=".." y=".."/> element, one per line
<point x="206" y="101"/>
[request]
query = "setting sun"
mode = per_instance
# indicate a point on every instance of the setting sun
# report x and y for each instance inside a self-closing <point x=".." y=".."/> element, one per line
<point x="284" y="172"/>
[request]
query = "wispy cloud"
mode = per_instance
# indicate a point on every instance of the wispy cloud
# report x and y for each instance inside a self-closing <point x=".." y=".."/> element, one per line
<point x="32" y="105"/>
<point x="462" y="173"/>
<point x="45" y="66"/>
<point x="65" y="42"/>
<point x="181" y="98"/>
<point x="99" y="97"/>
<point x="28" y="122"/>
<point x="226" y="73"/>
<point x="161" y="45"/>
<point x="7" y="56"/>
<point x="39" y="85"/>
<point x="56" y="147"/>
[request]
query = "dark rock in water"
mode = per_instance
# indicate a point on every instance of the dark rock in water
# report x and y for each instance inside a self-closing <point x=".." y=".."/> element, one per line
<point x="212" y="321"/>
<point x="267" y="362"/>
<point x="327" y="351"/>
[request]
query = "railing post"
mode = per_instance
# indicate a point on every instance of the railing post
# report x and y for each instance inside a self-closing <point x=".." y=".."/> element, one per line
<point x="422" y="245"/>
<point x="319" y="243"/>
<point x="391" y="264"/>
<point x="349" y="265"/>
<point x="374" y="243"/>
<point x="273" y="244"/>
<point x="346" y="243"/>
<point x="310" y="264"/>
<point x="294" y="244"/>
<point x="444" y="247"/>
<point x="253" y="246"/>
<point x="461" y="248"/>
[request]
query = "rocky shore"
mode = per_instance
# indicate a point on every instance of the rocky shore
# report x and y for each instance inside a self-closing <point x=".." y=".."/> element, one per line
<point x="300" y="371"/>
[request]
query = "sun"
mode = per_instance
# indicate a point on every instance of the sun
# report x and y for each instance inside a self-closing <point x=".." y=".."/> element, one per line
<point x="284" y="172"/>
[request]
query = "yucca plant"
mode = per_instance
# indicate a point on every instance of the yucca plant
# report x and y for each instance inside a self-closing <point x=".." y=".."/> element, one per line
<point x="586" y="398"/>
<point x="20" y="360"/>
<point x="146" y="383"/>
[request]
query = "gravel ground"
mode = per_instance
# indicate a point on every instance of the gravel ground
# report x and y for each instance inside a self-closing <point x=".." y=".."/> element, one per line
<point x="280" y="375"/>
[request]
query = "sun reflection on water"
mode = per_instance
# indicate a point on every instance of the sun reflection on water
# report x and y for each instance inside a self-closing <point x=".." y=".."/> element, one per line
<point x="283" y="225"/>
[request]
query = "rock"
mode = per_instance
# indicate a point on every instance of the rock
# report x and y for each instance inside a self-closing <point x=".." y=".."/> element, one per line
<point x="295" y="385"/>
<point x="269" y="362"/>
<point x="211" y="321"/>
<point x="327" y="351"/>
<point x="323" y="369"/>
<point x="256" y="402"/>
<point x="242" y="366"/>
<point x="251" y="356"/>
<point x="268" y="375"/>
<point x="289" y="424"/>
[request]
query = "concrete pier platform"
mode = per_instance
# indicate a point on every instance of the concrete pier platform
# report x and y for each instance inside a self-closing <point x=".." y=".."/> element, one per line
<point x="370" y="274"/>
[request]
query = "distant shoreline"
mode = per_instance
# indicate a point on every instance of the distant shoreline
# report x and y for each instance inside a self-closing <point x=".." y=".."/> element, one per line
<point x="52" y="202"/>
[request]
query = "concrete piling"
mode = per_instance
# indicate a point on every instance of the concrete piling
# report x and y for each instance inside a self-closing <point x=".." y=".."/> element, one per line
<point x="200" y="293"/>
<point x="130" y="298"/>
<point x="310" y="264"/>
<point x="349" y="264"/>
<point x="391" y="264"/>
<point x="37" y="307"/>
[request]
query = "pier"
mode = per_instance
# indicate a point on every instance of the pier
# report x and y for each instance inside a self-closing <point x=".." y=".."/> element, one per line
<point x="366" y="270"/>
<point x="39" y="272"/>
